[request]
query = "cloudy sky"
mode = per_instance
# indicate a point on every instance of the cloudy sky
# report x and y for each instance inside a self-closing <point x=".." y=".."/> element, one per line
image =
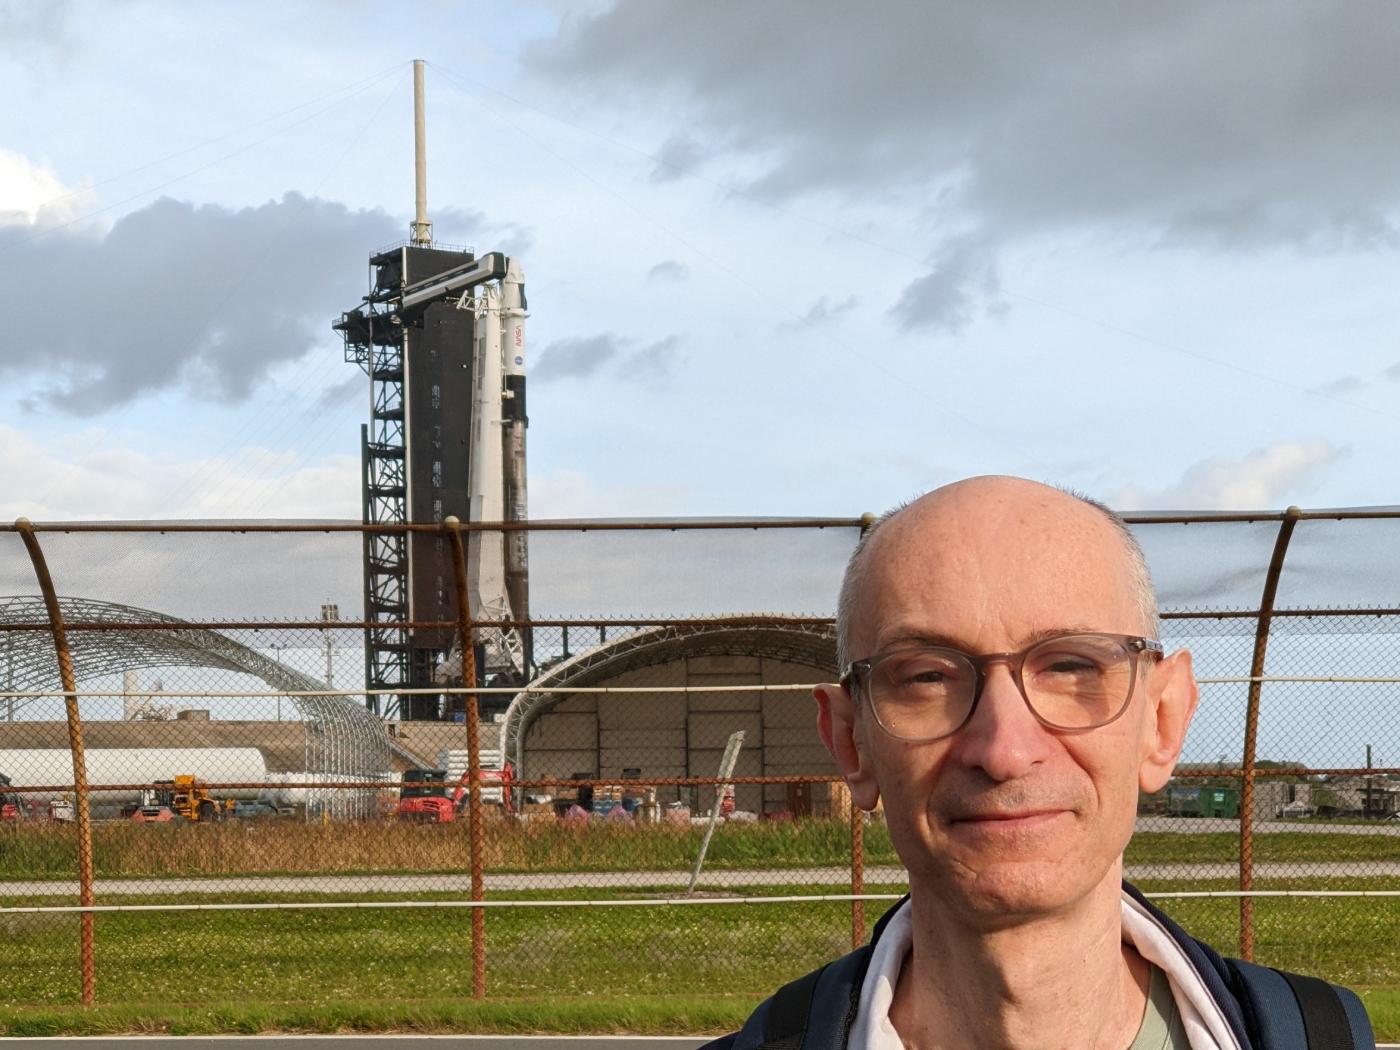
<point x="780" y="259"/>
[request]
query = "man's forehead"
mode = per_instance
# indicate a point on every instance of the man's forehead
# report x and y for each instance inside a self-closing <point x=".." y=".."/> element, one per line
<point x="1005" y="515"/>
<point x="1002" y="539"/>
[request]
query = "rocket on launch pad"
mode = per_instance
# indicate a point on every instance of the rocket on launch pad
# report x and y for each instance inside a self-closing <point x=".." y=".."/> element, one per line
<point x="442" y="338"/>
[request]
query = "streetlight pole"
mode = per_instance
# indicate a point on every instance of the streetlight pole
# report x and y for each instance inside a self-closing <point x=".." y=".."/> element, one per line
<point x="330" y="613"/>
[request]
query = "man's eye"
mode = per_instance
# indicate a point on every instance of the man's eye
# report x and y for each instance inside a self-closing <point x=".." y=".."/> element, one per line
<point x="1070" y="665"/>
<point x="919" y="677"/>
<point x="923" y="675"/>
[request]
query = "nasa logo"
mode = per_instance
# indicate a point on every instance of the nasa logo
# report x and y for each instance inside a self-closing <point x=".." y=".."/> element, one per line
<point x="519" y="360"/>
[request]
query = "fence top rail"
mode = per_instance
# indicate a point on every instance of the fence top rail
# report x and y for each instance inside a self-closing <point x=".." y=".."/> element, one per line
<point x="747" y="620"/>
<point x="544" y="525"/>
<point x="664" y="524"/>
<point x="1207" y="517"/>
<point x="720" y="620"/>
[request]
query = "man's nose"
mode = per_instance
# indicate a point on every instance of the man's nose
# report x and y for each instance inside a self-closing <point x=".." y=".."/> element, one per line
<point x="1003" y="737"/>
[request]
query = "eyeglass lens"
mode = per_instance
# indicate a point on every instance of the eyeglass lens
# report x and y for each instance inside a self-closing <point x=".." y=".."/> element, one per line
<point x="1072" y="682"/>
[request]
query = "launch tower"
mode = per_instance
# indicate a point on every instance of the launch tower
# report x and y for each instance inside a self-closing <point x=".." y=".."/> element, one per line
<point x="441" y="336"/>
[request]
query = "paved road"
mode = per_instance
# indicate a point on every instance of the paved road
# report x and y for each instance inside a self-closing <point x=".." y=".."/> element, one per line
<point x="731" y="881"/>
<point x="1198" y="825"/>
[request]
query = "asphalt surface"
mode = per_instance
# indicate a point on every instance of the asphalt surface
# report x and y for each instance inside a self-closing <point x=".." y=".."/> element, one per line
<point x="1187" y="825"/>
<point x="729" y="881"/>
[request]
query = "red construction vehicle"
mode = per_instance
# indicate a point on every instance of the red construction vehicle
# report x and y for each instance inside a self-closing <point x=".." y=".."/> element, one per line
<point x="10" y="808"/>
<point x="424" y="796"/>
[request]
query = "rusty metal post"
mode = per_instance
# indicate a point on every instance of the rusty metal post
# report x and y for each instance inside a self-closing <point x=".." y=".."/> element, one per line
<point x="1251" y="731"/>
<point x="866" y="523"/>
<point x="473" y="717"/>
<point x="75" y="743"/>
<point x="857" y="875"/>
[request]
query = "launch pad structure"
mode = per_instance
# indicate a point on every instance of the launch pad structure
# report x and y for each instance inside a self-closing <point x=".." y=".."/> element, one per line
<point x="441" y="336"/>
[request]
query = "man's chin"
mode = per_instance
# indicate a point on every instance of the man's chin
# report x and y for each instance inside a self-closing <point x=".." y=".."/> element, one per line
<point x="1009" y="892"/>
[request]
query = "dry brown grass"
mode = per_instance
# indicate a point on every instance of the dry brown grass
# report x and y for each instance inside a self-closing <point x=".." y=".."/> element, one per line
<point x="292" y="847"/>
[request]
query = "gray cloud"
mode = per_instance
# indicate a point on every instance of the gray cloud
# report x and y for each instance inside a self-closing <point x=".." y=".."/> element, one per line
<point x="29" y="24"/>
<point x="584" y="356"/>
<point x="679" y="156"/>
<point x="178" y="294"/>
<point x="1233" y="126"/>
<point x="465" y="226"/>
<point x="344" y="392"/>
<point x="668" y="270"/>
<point x="961" y="281"/>
<point x="1342" y="385"/>
<point x="655" y="362"/>
<point x="820" y="312"/>
<point x="199" y="296"/>
<point x="575" y="358"/>
<point x="1351" y="384"/>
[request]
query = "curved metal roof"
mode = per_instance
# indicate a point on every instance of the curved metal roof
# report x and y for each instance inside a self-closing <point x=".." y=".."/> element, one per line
<point x="811" y="644"/>
<point x="350" y="739"/>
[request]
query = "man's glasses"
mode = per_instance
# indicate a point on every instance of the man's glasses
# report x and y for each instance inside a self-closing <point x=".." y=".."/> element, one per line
<point x="1070" y="682"/>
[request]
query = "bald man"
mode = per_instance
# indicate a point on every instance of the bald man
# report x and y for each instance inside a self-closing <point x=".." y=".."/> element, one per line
<point x="1004" y="692"/>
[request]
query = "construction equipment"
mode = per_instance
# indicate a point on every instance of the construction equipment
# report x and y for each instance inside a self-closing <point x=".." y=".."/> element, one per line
<point x="186" y="796"/>
<point x="424" y="796"/>
<point x="10" y="808"/>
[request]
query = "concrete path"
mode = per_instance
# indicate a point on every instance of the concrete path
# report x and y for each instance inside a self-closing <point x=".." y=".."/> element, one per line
<point x="830" y="879"/>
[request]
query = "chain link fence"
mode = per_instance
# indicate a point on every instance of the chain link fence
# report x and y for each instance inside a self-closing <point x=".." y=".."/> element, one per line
<point x="652" y="811"/>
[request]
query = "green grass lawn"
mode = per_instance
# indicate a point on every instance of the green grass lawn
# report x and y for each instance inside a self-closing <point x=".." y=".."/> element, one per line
<point x="653" y="969"/>
<point x="692" y="968"/>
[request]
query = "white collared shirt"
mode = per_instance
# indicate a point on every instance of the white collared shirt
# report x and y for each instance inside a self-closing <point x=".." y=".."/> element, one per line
<point x="1205" y="1023"/>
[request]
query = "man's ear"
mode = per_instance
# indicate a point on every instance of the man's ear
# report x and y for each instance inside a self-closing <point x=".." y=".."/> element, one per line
<point x="1171" y="701"/>
<point x="840" y="732"/>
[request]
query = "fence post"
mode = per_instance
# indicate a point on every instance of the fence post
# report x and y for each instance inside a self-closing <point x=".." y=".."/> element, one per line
<point x="75" y="744"/>
<point x="1251" y="731"/>
<point x="867" y="522"/>
<point x="857" y="875"/>
<point x="473" y="716"/>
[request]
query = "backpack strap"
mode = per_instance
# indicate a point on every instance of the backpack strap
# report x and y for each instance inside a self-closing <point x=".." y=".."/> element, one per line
<point x="785" y="1024"/>
<point x="1286" y="1010"/>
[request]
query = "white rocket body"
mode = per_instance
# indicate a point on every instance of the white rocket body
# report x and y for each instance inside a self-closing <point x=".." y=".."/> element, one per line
<point x="497" y="562"/>
<point x="514" y="421"/>
<point x="485" y="552"/>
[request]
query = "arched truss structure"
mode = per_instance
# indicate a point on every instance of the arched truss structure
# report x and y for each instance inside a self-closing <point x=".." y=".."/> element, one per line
<point x="811" y="644"/>
<point x="343" y="739"/>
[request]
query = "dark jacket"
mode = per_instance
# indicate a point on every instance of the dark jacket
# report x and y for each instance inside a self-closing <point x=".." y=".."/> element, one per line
<point x="1266" y="1009"/>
